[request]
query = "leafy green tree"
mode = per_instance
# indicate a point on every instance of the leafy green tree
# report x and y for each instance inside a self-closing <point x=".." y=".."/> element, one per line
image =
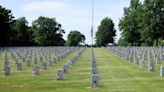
<point x="153" y="25"/>
<point x="6" y="18"/>
<point x="20" y="34"/>
<point x="122" y="42"/>
<point x="142" y="24"/>
<point x="106" y="32"/>
<point x="130" y="23"/>
<point x="75" y="38"/>
<point x="46" y="31"/>
<point x="31" y="41"/>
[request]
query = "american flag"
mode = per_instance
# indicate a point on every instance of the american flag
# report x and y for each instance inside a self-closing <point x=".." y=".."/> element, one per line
<point x="92" y="31"/>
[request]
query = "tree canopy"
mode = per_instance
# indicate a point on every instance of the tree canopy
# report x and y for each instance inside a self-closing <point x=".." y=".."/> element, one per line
<point x="20" y="32"/>
<point x="46" y="31"/>
<point x="6" y="19"/>
<point x="142" y="24"/>
<point x="106" y="32"/>
<point x="75" y="38"/>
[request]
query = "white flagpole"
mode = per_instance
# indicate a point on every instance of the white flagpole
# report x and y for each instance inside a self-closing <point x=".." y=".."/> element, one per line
<point x="92" y="29"/>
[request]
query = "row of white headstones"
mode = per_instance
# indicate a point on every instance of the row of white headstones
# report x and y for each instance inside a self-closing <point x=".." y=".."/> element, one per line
<point x="64" y="70"/>
<point x="94" y="72"/>
<point x="60" y="72"/>
<point x="139" y="55"/>
<point x="60" y="56"/>
<point x="67" y="65"/>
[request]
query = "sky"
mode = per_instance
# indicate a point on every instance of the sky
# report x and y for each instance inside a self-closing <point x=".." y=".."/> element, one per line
<point x="72" y="14"/>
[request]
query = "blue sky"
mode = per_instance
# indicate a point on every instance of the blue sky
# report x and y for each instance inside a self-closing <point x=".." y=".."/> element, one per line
<point x="72" y="14"/>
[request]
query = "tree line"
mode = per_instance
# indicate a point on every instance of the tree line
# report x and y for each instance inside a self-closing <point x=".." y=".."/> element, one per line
<point x="44" y="31"/>
<point x="142" y="24"/>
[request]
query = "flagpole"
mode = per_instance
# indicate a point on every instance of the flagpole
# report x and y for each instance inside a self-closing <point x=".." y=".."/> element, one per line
<point x="92" y="21"/>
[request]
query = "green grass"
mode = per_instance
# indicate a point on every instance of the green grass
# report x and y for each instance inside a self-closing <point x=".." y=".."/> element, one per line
<point x="116" y="75"/>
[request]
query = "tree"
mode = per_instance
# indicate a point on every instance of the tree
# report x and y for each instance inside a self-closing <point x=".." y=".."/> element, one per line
<point x="130" y="23"/>
<point x="75" y="38"/>
<point x="122" y="42"/>
<point x="106" y="32"/>
<point x="46" y="31"/>
<point x="20" y="32"/>
<point x="6" y="18"/>
<point x="142" y="24"/>
<point x="153" y="28"/>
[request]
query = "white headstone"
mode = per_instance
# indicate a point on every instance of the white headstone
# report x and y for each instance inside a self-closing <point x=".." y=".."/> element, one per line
<point x="6" y="71"/>
<point x="36" y="70"/>
<point x="162" y="71"/>
<point x="44" y="66"/>
<point x="59" y="75"/>
<point x="158" y="60"/>
<point x="142" y="63"/>
<point x="15" y="61"/>
<point x="151" y="67"/>
<point x="95" y="81"/>
<point x="19" y="66"/>
<point x="28" y="63"/>
<point x="65" y="68"/>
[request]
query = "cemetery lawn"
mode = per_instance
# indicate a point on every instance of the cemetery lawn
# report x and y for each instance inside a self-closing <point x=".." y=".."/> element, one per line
<point x="116" y="75"/>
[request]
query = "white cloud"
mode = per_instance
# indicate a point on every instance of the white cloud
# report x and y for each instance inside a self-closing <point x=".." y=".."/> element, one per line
<point x="45" y="6"/>
<point x="55" y="7"/>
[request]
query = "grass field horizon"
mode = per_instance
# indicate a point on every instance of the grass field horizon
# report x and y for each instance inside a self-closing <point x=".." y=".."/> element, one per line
<point x="116" y="75"/>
